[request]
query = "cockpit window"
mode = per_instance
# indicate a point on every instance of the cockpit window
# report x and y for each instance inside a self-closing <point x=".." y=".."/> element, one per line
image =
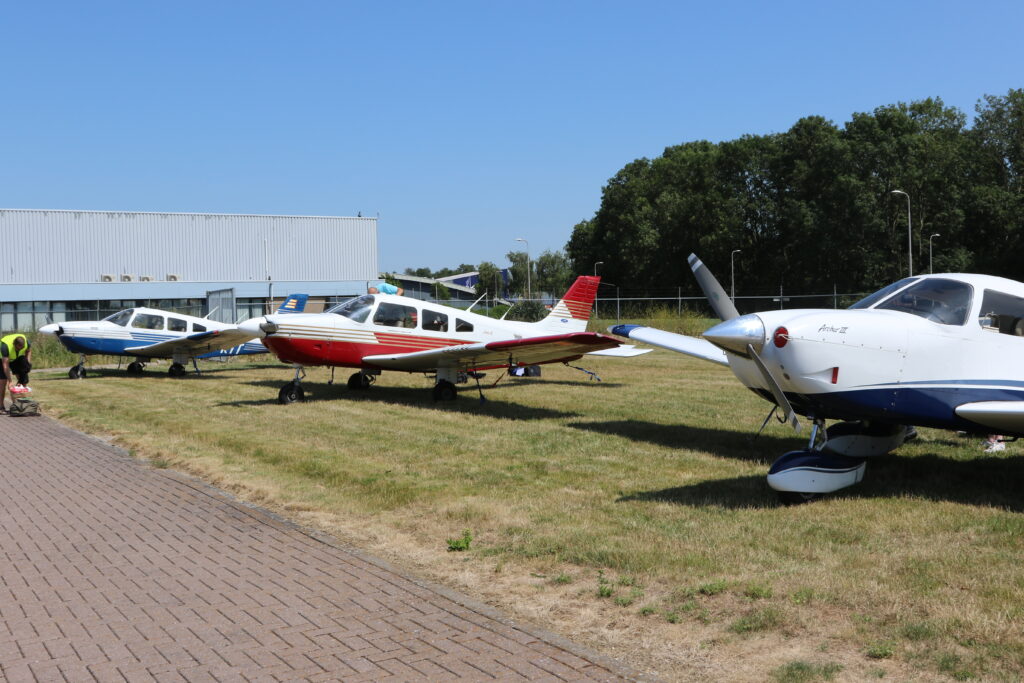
<point x="121" y="317"/>
<point x="354" y="309"/>
<point x="937" y="299"/>
<point x="872" y="299"/>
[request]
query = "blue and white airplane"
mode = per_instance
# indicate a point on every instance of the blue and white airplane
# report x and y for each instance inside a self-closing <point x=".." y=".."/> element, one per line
<point x="147" y="333"/>
<point x="943" y="351"/>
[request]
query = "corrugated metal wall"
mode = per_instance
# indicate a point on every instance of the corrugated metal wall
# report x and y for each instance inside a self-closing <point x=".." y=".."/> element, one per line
<point x="80" y="246"/>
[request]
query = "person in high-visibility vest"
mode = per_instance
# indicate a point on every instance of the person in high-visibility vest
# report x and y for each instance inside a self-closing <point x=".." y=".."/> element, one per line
<point x="15" y="359"/>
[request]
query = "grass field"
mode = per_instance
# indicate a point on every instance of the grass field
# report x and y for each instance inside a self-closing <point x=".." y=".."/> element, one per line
<point x="631" y="514"/>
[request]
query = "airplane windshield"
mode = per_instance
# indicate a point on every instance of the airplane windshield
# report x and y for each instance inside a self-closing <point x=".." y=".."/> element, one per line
<point x="355" y="309"/>
<point x="872" y="299"/>
<point x="936" y="299"/>
<point x="121" y="317"/>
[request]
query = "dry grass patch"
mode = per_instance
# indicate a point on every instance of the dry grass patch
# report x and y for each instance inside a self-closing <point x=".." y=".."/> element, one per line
<point x="631" y="514"/>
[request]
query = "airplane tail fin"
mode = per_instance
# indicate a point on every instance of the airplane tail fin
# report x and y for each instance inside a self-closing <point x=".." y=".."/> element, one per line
<point x="572" y="311"/>
<point x="295" y="303"/>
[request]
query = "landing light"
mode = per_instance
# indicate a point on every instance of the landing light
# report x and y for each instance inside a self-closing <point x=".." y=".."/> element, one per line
<point x="780" y="337"/>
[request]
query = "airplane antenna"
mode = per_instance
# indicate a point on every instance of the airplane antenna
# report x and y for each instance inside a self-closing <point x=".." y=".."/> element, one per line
<point x="211" y="312"/>
<point x="507" y="311"/>
<point x="476" y="302"/>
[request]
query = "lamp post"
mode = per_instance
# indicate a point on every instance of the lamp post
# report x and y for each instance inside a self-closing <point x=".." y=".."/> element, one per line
<point x="732" y="269"/>
<point x="599" y="263"/>
<point x="910" y="244"/>
<point x="528" y="268"/>
<point x="930" y="251"/>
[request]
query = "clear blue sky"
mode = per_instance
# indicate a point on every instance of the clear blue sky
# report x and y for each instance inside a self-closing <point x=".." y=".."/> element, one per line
<point x="462" y="124"/>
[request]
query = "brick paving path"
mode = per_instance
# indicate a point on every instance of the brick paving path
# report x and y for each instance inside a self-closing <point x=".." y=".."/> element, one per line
<point x="111" y="570"/>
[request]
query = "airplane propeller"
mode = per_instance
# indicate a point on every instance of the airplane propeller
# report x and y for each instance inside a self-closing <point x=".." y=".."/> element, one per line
<point x="743" y="335"/>
<point x="720" y="302"/>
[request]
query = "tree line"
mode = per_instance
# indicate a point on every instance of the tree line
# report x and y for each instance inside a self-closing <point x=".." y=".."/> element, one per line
<point x="813" y="208"/>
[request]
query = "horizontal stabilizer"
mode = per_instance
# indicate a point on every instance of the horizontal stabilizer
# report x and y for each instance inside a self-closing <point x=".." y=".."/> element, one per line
<point x="624" y="351"/>
<point x="691" y="346"/>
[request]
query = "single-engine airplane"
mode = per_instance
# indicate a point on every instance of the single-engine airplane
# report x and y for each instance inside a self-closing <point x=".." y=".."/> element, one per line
<point x="377" y="332"/>
<point x="943" y="351"/>
<point x="147" y="333"/>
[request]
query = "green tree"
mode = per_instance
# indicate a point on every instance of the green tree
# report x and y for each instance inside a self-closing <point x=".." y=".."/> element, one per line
<point x="519" y="271"/>
<point x="489" y="280"/>
<point x="552" y="273"/>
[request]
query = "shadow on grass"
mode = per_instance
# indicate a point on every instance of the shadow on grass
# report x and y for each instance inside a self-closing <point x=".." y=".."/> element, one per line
<point x="985" y="481"/>
<point x="414" y="398"/>
<point x="159" y="372"/>
<point x="719" y="442"/>
<point x="517" y="382"/>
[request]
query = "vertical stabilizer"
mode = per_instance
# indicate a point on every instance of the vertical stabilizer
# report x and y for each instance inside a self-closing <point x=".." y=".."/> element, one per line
<point x="295" y="303"/>
<point x="572" y="311"/>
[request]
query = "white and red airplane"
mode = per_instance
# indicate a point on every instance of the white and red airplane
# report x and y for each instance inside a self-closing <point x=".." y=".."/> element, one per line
<point x="377" y="332"/>
<point x="943" y="351"/>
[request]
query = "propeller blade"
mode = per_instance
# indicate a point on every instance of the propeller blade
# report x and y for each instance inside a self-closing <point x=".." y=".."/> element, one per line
<point x="780" y="397"/>
<point x="717" y="297"/>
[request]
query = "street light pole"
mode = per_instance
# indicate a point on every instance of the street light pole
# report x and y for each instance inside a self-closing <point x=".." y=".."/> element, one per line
<point x="930" y="251"/>
<point x="528" y="268"/>
<point x="910" y="243"/>
<point x="599" y="263"/>
<point x="732" y="269"/>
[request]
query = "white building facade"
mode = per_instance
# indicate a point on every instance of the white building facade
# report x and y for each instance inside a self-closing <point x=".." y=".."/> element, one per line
<point x="73" y="265"/>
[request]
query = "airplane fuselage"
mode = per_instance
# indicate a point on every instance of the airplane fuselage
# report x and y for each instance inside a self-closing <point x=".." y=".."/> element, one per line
<point x="895" y="366"/>
<point x="391" y="325"/>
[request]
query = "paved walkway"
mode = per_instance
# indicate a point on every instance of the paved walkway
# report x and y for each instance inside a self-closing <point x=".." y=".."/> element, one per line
<point x="111" y="570"/>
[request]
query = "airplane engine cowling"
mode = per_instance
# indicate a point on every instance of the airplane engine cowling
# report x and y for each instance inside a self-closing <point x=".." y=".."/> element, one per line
<point x="864" y="440"/>
<point x="814" y="472"/>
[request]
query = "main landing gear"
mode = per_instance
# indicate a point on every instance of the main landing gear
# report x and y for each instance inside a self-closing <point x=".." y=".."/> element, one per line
<point x="292" y="392"/>
<point x="136" y="367"/>
<point x="445" y="391"/>
<point x="834" y="459"/>
<point x="360" y="381"/>
<point x="177" y="370"/>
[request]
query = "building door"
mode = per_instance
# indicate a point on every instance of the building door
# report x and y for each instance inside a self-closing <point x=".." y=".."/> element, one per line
<point x="220" y="305"/>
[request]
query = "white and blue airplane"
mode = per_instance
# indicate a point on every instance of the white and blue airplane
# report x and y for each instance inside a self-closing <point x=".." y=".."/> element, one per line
<point x="943" y="351"/>
<point x="147" y="333"/>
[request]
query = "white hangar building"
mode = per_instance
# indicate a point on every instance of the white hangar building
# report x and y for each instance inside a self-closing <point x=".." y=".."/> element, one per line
<point x="82" y="265"/>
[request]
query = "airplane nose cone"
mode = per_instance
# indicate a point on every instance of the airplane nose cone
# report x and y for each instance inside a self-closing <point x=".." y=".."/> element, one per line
<point x="51" y="329"/>
<point x="734" y="335"/>
<point x="253" y="326"/>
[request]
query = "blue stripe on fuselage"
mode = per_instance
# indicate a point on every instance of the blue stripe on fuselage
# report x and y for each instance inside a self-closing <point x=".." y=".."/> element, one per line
<point x="924" y="404"/>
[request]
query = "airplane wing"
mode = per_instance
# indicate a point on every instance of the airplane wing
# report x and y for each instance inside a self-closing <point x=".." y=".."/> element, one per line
<point x="194" y="344"/>
<point x="1006" y="417"/>
<point x="691" y="346"/>
<point x="514" y="352"/>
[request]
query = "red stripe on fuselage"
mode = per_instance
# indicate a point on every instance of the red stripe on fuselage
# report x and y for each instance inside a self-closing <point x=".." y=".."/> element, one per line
<point x="350" y="354"/>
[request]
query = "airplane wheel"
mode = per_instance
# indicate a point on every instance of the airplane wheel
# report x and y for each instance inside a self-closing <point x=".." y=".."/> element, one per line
<point x="135" y="368"/>
<point x="358" y="381"/>
<point x="176" y="370"/>
<point x="77" y="372"/>
<point x="290" y="393"/>
<point x="445" y="391"/>
<point x="796" y="498"/>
